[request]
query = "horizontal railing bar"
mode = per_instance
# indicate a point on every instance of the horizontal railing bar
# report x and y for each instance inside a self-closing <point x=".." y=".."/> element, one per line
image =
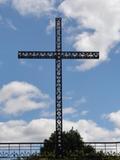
<point x="44" y="143"/>
<point x="21" y="143"/>
<point x="101" y="142"/>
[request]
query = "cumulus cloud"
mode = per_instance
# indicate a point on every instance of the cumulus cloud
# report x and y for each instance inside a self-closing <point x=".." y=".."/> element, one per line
<point x="31" y="7"/>
<point x="39" y="129"/>
<point x="114" y="117"/>
<point x="100" y="25"/>
<point x="19" y="97"/>
<point x="35" y="130"/>
<point x="69" y="110"/>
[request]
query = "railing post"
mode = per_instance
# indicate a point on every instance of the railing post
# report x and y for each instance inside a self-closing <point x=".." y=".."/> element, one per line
<point x="19" y="149"/>
<point x="30" y="149"/>
<point x="105" y="148"/>
<point x="9" y="150"/>
<point x="116" y="148"/>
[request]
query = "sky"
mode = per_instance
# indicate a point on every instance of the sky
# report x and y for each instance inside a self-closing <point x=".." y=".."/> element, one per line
<point x="91" y="89"/>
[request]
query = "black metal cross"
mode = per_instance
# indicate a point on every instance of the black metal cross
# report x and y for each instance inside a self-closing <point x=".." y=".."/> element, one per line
<point x="58" y="55"/>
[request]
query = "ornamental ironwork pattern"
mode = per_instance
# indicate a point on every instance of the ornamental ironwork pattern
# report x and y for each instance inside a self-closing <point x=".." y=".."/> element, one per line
<point x="53" y="55"/>
<point x="10" y="151"/>
<point x="19" y="151"/>
<point x="105" y="147"/>
<point x="58" y="88"/>
<point x="58" y="55"/>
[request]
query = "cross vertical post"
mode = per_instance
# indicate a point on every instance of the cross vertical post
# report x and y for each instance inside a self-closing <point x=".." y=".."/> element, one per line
<point x="58" y="55"/>
<point x="58" y="67"/>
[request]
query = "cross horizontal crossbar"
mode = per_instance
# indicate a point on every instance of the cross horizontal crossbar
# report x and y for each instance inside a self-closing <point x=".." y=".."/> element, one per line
<point x="54" y="55"/>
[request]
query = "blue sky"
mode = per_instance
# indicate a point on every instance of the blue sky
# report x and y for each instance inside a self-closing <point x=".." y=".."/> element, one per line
<point x="91" y="94"/>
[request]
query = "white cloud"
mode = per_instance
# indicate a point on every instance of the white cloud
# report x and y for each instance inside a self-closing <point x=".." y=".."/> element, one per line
<point x="69" y="110"/>
<point x="39" y="129"/>
<point x="11" y="25"/>
<point x="7" y="23"/>
<point x="19" y="97"/>
<point x="91" y="131"/>
<point x="76" y="105"/>
<point x="80" y="101"/>
<point x="103" y="17"/>
<point x="31" y="7"/>
<point x="114" y="117"/>
<point x="50" y="26"/>
<point x="98" y="23"/>
<point x="84" y="113"/>
<point x="47" y="114"/>
<point x="35" y="130"/>
<point x="67" y="97"/>
<point x="66" y="111"/>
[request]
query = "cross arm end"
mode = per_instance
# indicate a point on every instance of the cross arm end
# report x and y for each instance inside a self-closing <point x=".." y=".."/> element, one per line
<point x="36" y="55"/>
<point x="80" y="55"/>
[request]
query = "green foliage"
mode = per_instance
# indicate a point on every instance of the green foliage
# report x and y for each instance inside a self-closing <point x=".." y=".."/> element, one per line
<point x="73" y="146"/>
<point x="71" y="142"/>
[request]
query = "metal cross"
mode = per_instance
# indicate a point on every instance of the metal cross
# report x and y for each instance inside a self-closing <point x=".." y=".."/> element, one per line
<point x="58" y="55"/>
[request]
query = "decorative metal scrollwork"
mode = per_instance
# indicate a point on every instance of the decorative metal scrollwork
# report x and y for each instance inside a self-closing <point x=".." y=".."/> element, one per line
<point x="36" y="55"/>
<point x="19" y="150"/>
<point x="80" y="55"/>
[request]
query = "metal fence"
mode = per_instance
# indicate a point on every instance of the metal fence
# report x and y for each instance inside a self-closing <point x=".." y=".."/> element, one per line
<point x="14" y="151"/>
<point x="105" y="147"/>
